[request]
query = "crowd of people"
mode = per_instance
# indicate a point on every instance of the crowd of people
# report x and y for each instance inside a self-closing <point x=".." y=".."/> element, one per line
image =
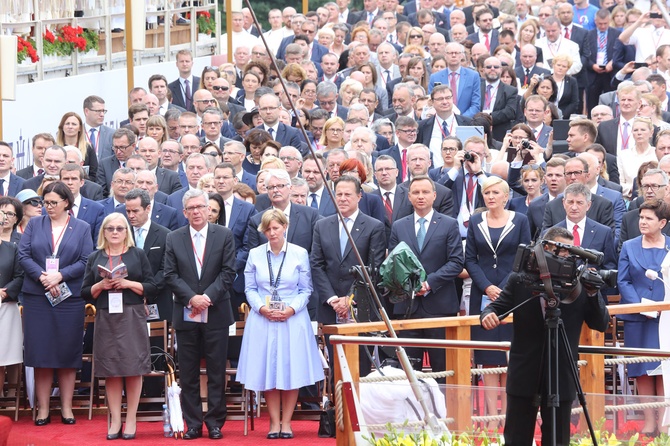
<point x="211" y="194"/>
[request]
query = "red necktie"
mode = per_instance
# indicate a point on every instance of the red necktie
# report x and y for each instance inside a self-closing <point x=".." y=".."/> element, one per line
<point x="404" y="164"/>
<point x="387" y="206"/>
<point x="470" y="188"/>
<point x="453" y="86"/>
<point x="567" y="32"/>
<point x="575" y="235"/>
<point x="487" y="42"/>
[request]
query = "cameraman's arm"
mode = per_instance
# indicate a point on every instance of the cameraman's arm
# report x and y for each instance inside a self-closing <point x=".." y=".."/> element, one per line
<point x="596" y="315"/>
<point x="505" y="302"/>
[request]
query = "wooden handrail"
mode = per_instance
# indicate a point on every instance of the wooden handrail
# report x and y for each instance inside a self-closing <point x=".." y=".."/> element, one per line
<point x="459" y="401"/>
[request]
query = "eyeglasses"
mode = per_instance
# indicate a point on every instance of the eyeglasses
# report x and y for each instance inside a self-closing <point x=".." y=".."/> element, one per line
<point x="195" y="208"/>
<point x="35" y="202"/>
<point x="118" y="229"/>
<point x="101" y="111"/>
<point x="385" y="169"/>
<point x="214" y="123"/>
<point x="277" y="187"/>
<point x="51" y="204"/>
<point x="653" y="187"/>
<point x="489" y="67"/>
<point x="219" y="88"/>
<point x="8" y="213"/>
<point x="416" y="36"/>
<point x="118" y="148"/>
<point x="449" y="149"/>
<point x="288" y="158"/>
<point x="537" y="167"/>
<point x="574" y="173"/>
<point x="407" y="131"/>
<point x="206" y="101"/>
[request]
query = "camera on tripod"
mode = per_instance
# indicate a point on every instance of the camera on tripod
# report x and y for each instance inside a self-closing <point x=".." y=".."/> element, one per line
<point x="566" y="271"/>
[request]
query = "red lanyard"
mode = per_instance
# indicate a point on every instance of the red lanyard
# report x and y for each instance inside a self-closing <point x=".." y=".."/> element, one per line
<point x="451" y="127"/>
<point x="54" y="243"/>
<point x="111" y="263"/>
<point x="624" y="142"/>
<point x="199" y="259"/>
<point x="657" y="41"/>
<point x="558" y="49"/>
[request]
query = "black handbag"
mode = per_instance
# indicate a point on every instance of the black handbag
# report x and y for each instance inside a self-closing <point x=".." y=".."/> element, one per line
<point x="327" y="421"/>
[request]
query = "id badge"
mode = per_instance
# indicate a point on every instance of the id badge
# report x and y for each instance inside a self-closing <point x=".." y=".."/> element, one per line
<point x="52" y="264"/>
<point x="115" y="303"/>
<point x="600" y="58"/>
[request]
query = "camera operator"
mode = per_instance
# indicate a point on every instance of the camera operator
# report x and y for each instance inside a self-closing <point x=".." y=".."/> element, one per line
<point x="527" y="370"/>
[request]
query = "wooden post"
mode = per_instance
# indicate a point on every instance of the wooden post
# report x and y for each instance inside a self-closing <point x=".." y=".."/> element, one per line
<point x="351" y="352"/>
<point x="459" y="400"/>
<point x="592" y="375"/>
<point x="130" y="61"/>
<point x="305" y="6"/>
<point x="229" y="28"/>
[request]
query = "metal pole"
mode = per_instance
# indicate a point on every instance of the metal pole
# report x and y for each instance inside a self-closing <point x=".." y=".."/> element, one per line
<point x="130" y="61"/>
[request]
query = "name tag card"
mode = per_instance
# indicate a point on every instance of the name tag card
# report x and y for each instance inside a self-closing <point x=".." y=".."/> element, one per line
<point x="115" y="303"/>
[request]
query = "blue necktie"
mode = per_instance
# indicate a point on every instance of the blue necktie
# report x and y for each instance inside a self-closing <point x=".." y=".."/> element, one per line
<point x="343" y="237"/>
<point x="314" y="204"/>
<point x="421" y="235"/>
<point x="139" y="238"/>
<point x="271" y="131"/>
<point x="444" y="128"/>
<point x="2" y="188"/>
<point x="94" y="143"/>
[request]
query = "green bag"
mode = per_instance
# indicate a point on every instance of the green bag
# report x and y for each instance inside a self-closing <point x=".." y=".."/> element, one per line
<point x="402" y="274"/>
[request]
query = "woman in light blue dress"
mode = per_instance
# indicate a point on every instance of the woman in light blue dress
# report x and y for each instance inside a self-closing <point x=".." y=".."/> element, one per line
<point x="279" y="352"/>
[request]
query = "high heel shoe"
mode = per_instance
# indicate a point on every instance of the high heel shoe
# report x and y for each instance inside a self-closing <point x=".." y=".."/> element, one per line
<point x="43" y="421"/>
<point x="67" y="420"/>
<point x="116" y="435"/>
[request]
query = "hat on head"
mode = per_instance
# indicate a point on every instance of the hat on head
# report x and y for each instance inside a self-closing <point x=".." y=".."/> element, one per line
<point x="26" y="194"/>
<point x="248" y="118"/>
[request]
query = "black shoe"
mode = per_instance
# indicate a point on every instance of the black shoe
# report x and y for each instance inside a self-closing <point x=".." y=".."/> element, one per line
<point x="115" y="436"/>
<point x="43" y="421"/>
<point x="193" y="433"/>
<point x="215" y="433"/>
<point x="129" y="436"/>
<point x="67" y="420"/>
<point x="273" y="436"/>
<point x="285" y="435"/>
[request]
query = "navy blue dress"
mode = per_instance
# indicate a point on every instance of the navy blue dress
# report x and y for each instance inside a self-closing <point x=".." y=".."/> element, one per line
<point x="489" y="257"/>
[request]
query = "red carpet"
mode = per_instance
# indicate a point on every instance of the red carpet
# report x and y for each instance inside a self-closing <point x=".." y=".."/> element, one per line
<point x="90" y="433"/>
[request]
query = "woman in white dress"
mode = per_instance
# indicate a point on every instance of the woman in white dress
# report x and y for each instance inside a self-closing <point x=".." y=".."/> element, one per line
<point x="630" y="160"/>
<point x="279" y="352"/>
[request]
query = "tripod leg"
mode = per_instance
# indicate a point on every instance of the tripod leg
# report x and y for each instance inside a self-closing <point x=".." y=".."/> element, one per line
<point x="552" y="378"/>
<point x="578" y="385"/>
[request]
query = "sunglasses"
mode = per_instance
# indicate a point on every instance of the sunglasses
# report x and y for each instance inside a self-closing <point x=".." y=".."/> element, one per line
<point x="531" y="167"/>
<point x="219" y="88"/>
<point x="34" y="202"/>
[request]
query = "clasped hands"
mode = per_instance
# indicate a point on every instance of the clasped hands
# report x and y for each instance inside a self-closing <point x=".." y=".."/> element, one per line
<point x="277" y="315"/>
<point x="50" y="282"/>
<point x="199" y="303"/>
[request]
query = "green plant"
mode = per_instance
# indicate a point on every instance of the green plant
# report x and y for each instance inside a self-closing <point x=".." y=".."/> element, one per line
<point x="92" y="39"/>
<point x="206" y="25"/>
<point x="25" y="48"/>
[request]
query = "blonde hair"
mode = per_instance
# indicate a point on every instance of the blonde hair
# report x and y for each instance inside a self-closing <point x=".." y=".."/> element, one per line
<point x="272" y="162"/>
<point x="270" y="216"/>
<point x="494" y="181"/>
<point x="565" y="58"/>
<point x="102" y="241"/>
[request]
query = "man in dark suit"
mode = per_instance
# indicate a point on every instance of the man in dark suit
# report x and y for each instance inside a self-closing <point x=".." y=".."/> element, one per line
<point x="526" y="366"/>
<point x="396" y="203"/>
<point x="332" y="255"/>
<point x="654" y="185"/>
<point x="616" y="134"/>
<point x="554" y="180"/>
<point x="444" y="123"/>
<point x="53" y="161"/>
<point x="528" y="67"/>
<point x="10" y="184"/>
<point x="599" y="66"/>
<point x="317" y="197"/>
<point x="534" y="111"/>
<point x="196" y="167"/>
<point x="498" y="99"/>
<point x="168" y="181"/>
<point x="183" y="88"/>
<point x="158" y="86"/>
<point x="83" y="209"/>
<point x="268" y="105"/>
<point x="601" y="209"/>
<point x="199" y="269"/>
<point x="212" y="120"/>
<point x="234" y="153"/>
<point x="124" y="146"/>
<point x="40" y="143"/>
<point x="470" y="12"/>
<point x="579" y="35"/>
<point x="370" y="11"/>
<point x="612" y="195"/>
<point x="486" y="35"/>
<point x="97" y="134"/>
<point x="405" y="130"/>
<point x="587" y="233"/>
<point x="122" y="182"/>
<point x="326" y="95"/>
<point x="403" y="100"/>
<point x="236" y="215"/>
<point x="418" y="163"/>
<point x="435" y="240"/>
<point x="161" y="213"/>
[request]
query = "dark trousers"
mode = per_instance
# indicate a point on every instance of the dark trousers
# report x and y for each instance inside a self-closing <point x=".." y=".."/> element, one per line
<point x="521" y="417"/>
<point x="598" y="84"/>
<point x="213" y="341"/>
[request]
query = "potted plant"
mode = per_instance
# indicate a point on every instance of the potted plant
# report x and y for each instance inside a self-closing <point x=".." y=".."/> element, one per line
<point x="26" y="50"/>
<point x="206" y="24"/>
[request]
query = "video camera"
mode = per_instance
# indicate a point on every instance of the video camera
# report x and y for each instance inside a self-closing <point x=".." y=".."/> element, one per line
<point x="566" y="271"/>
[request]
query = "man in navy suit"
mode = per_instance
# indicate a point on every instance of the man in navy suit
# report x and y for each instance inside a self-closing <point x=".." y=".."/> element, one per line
<point x="97" y="134"/>
<point x="326" y="95"/>
<point x="123" y="146"/>
<point x="183" y="88"/>
<point x="40" y="143"/>
<point x="53" y="161"/>
<point x="601" y="209"/>
<point x="196" y="166"/>
<point x="486" y="35"/>
<point x="599" y="66"/>
<point x="331" y="257"/>
<point x="161" y="213"/>
<point x="435" y="240"/>
<point x="528" y="67"/>
<point x="534" y="110"/>
<point x="418" y="163"/>
<point x="10" y="184"/>
<point x="83" y="209"/>
<point x="317" y="197"/>
<point x="171" y="155"/>
<point x="405" y="130"/>
<point x="234" y="153"/>
<point x="315" y="51"/>
<point x="467" y="94"/>
<point x="587" y="233"/>
<point x="396" y="203"/>
<point x="498" y="99"/>
<point x="237" y="214"/>
<point x="168" y="181"/>
<point x="268" y="106"/>
<point x="432" y="131"/>
<point x="554" y="180"/>
<point x="122" y="181"/>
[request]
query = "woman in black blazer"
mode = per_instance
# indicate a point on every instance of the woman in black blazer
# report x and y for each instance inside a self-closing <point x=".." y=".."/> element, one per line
<point x="567" y="94"/>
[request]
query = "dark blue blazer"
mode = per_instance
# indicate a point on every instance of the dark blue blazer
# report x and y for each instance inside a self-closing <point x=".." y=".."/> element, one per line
<point x="619" y="206"/>
<point x="160" y="197"/>
<point x="92" y="213"/>
<point x="178" y="97"/>
<point x="457" y="187"/>
<point x="442" y="259"/>
<point x="601" y="210"/>
<point x="250" y="180"/>
<point x="598" y="237"/>
<point x="485" y="269"/>
<point x="504" y="109"/>
<point x="372" y="205"/>
<point x="106" y="169"/>
<point x="175" y="202"/>
<point x="240" y="215"/>
<point x="92" y="191"/>
<point x="300" y="229"/>
<point x="425" y="130"/>
<point x="161" y="214"/>
<point x="326" y="205"/>
<point x="15" y="185"/>
<point x="469" y="89"/>
<point x="535" y="214"/>
<point x="287" y="136"/>
<point x="493" y="39"/>
<point x="444" y="201"/>
<point x="73" y="252"/>
<point x="543" y="137"/>
<point x="108" y="206"/>
<point x="330" y="269"/>
<point x="518" y="204"/>
<point x="394" y="152"/>
<point x="569" y="102"/>
<point x="168" y="181"/>
<point x="520" y="72"/>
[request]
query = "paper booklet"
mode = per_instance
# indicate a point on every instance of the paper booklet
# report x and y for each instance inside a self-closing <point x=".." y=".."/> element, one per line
<point x="120" y="271"/>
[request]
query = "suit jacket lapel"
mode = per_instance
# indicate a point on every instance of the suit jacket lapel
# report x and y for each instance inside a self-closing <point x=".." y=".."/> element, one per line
<point x="234" y="212"/>
<point x="293" y="223"/>
<point x="430" y="230"/>
<point x="67" y="234"/>
<point x="589" y="232"/>
<point x="150" y="238"/>
<point x="356" y="230"/>
<point x="190" y="251"/>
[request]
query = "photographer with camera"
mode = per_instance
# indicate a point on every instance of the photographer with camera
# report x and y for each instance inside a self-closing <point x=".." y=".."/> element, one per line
<point x="527" y="369"/>
<point x="639" y="255"/>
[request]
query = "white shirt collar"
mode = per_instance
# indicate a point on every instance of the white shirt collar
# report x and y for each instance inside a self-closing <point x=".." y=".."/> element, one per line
<point x="286" y="211"/>
<point x="352" y="217"/>
<point x="6" y="178"/>
<point x="283" y="248"/>
<point x="570" y="224"/>
<point x="202" y="232"/>
<point x="383" y="191"/>
<point x="145" y="226"/>
<point x="428" y="217"/>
